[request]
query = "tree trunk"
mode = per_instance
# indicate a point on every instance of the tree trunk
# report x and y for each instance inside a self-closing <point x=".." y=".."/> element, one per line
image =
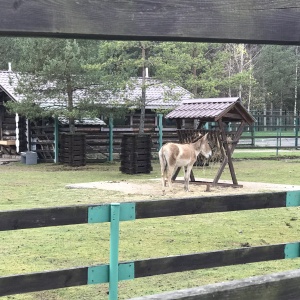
<point x="70" y="105"/>
<point x="194" y="71"/>
<point x="143" y="99"/>
<point x="250" y="80"/>
<point x="229" y="71"/>
<point x="296" y="86"/>
<point x="265" y="104"/>
<point x="241" y="69"/>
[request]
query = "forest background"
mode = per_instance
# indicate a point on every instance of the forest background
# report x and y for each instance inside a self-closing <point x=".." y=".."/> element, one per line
<point x="265" y="77"/>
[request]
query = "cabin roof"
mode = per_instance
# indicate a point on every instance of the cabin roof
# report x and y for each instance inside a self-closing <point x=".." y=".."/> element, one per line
<point x="9" y="83"/>
<point x="159" y="95"/>
<point x="212" y="109"/>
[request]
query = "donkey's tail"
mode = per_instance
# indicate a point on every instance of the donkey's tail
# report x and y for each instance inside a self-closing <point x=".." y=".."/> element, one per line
<point x="162" y="161"/>
<point x="163" y="167"/>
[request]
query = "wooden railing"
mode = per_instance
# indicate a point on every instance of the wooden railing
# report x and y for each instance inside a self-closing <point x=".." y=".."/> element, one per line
<point x="129" y="211"/>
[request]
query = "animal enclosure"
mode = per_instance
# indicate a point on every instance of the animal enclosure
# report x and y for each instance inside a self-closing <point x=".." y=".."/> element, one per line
<point x="129" y="211"/>
<point x="226" y="21"/>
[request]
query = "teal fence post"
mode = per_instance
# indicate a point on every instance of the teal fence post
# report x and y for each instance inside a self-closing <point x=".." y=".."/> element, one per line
<point x="111" y="138"/>
<point x="56" y="140"/>
<point x="114" y="251"/>
<point x="160" y="132"/>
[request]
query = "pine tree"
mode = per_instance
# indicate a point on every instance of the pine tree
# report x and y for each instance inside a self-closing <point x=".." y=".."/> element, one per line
<point x="61" y="77"/>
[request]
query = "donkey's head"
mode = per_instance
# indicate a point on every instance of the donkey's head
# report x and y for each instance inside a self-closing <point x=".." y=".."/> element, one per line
<point x="204" y="146"/>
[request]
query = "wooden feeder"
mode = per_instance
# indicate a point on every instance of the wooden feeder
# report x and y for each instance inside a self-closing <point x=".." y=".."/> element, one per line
<point x="216" y="116"/>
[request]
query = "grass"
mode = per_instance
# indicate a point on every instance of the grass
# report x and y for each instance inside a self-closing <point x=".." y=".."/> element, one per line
<point x="271" y="154"/>
<point x="273" y="133"/>
<point x="43" y="185"/>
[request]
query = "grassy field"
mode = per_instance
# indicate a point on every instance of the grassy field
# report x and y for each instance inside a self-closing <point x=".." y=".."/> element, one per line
<point x="43" y="185"/>
<point x="274" y="133"/>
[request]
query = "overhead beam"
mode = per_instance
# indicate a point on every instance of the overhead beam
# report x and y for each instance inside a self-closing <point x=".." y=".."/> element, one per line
<point x="247" y="21"/>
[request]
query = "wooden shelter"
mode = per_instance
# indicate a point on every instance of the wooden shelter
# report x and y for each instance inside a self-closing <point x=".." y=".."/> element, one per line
<point x="223" y="118"/>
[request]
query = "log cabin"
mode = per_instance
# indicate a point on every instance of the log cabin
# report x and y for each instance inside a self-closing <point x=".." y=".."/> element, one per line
<point x="19" y="134"/>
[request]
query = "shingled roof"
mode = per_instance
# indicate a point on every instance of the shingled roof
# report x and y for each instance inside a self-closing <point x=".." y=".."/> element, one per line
<point x="8" y="83"/>
<point x="158" y="94"/>
<point x="211" y="110"/>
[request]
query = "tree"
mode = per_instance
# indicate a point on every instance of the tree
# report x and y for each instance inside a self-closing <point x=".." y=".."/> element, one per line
<point x="197" y="67"/>
<point x="275" y="71"/>
<point x="59" y="77"/>
<point x="9" y="49"/>
<point x="135" y="60"/>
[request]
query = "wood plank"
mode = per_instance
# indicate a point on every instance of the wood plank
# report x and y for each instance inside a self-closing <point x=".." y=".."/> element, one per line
<point x="58" y="216"/>
<point x="200" y="205"/>
<point x="276" y="286"/>
<point x="7" y="142"/>
<point x="34" y="218"/>
<point x="182" y="263"/>
<point x="34" y="282"/>
<point x="78" y="276"/>
<point x="248" y="21"/>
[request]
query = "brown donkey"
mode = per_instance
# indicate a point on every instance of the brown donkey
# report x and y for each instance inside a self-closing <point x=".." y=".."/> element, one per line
<point x="172" y="156"/>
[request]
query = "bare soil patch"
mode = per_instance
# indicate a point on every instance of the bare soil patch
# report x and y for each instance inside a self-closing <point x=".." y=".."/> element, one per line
<point x="153" y="188"/>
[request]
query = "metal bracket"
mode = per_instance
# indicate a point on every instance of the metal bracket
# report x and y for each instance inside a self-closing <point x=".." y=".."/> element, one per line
<point x="101" y="213"/>
<point x="292" y="198"/>
<point x="292" y="250"/>
<point x="100" y="274"/>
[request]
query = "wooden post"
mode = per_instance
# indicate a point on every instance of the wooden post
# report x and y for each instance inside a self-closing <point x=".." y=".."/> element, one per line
<point x="229" y="152"/>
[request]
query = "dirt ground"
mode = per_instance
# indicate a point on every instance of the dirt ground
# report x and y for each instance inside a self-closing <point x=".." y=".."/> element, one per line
<point x="153" y="187"/>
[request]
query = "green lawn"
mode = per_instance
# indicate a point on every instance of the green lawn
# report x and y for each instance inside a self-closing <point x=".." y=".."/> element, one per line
<point x="43" y="185"/>
<point x="274" y="133"/>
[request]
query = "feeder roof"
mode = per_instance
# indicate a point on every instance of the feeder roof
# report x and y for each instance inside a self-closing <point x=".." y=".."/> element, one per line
<point x="211" y="110"/>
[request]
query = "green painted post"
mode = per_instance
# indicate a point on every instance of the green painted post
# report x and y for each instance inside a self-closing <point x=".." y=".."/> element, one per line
<point x="111" y="138"/>
<point x="114" y="251"/>
<point x="160" y="127"/>
<point x="56" y="138"/>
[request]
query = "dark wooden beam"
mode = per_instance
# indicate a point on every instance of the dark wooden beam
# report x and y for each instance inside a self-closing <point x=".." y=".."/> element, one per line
<point x="49" y="280"/>
<point x="26" y="283"/>
<point x="59" y="216"/>
<point x="182" y="263"/>
<point x="202" y="205"/>
<point x="232" y="116"/>
<point x="250" y="21"/>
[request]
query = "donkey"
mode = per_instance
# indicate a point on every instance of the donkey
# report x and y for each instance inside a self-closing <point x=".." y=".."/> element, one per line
<point x="172" y="156"/>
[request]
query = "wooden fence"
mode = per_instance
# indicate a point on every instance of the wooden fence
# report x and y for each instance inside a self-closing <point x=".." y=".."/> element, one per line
<point x="104" y="143"/>
<point x="115" y="271"/>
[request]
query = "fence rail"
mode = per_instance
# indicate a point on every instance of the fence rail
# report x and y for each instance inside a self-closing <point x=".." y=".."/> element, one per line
<point x="80" y="214"/>
<point x="58" y="216"/>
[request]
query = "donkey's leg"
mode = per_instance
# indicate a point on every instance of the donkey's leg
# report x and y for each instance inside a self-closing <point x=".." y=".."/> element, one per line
<point x="187" y="175"/>
<point x="170" y="173"/>
<point x="185" y="178"/>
